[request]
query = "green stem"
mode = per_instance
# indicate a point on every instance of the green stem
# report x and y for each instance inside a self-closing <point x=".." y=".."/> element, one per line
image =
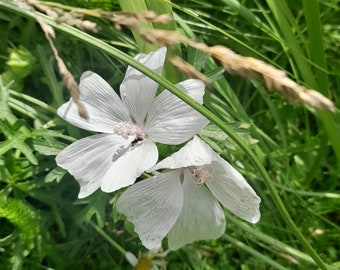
<point x="32" y="100"/>
<point x="315" y="44"/>
<point x="274" y="244"/>
<point x="255" y="253"/>
<point x="108" y="238"/>
<point x="173" y="89"/>
<point x="319" y="80"/>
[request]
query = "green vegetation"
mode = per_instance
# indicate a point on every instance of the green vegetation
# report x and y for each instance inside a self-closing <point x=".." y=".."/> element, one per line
<point x="289" y="152"/>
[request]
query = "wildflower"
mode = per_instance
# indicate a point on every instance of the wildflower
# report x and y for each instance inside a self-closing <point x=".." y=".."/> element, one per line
<point x="129" y="126"/>
<point x="184" y="203"/>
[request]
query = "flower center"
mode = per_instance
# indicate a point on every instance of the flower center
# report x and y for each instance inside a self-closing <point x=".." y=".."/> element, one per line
<point x="126" y="129"/>
<point x="201" y="174"/>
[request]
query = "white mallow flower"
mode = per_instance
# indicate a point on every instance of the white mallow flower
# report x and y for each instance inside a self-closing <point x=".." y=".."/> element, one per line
<point x="129" y="126"/>
<point x="184" y="203"/>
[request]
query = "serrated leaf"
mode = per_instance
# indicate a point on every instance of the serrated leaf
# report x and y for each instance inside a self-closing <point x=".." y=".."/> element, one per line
<point x="16" y="140"/>
<point x="214" y="132"/>
<point x="55" y="175"/>
<point x="47" y="146"/>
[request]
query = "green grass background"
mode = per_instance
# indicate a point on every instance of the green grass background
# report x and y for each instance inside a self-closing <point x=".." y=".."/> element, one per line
<point x="290" y="153"/>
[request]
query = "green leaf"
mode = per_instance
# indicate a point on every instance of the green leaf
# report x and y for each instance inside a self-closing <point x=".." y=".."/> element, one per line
<point x="138" y="6"/>
<point x="47" y="145"/>
<point x="95" y="206"/>
<point x="16" y="140"/>
<point x="55" y="175"/>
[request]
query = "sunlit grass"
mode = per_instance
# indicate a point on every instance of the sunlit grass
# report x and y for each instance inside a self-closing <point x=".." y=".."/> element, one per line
<point x="281" y="148"/>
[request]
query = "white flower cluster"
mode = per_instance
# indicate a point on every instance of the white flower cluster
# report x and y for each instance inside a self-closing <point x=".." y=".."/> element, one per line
<point x="183" y="202"/>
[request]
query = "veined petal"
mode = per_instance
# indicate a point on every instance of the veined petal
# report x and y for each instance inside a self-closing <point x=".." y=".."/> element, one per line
<point x="102" y="104"/>
<point x="201" y="217"/>
<point x="194" y="153"/>
<point x="170" y="120"/>
<point x="193" y="88"/>
<point x="89" y="158"/>
<point x="153" y="206"/>
<point x="233" y="191"/>
<point x="125" y="170"/>
<point x="137" y="90"/>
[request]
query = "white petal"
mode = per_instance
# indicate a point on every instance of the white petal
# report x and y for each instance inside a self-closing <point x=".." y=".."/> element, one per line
<point x="233" y="191"/>
<point x="201" y="217"/>
<point x="194" y="153"/>
<point x="153" y="206"/>
<point x="137" y="90"/>
<point x="170" y="120"/>
<point x="102" y="104"/>
<point x="125" y="170"/>
<point x="193" y="88"/>
<point x="89" y="158"/>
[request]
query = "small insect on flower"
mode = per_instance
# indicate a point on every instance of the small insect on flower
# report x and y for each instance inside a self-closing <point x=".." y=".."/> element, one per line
<point x="137" y="140"/>
<point x="128" y="126"/>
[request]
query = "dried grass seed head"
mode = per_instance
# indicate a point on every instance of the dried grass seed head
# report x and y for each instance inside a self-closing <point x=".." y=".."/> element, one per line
<point x="188" y="69"/>
<point x="274" y="79"/>
<point x="162" y="37"/>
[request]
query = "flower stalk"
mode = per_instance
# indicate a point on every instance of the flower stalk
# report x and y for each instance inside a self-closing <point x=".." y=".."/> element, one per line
<point x="86" y="38"/>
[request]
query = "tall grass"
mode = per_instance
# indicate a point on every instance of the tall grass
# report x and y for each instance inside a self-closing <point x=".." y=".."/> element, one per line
<point x="289" y="153"/>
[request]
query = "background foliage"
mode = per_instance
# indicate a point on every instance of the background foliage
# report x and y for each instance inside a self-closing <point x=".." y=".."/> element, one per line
<point x="44" y="226"/>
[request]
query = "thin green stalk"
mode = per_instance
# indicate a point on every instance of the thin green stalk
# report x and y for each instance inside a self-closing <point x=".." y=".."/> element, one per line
<point x="33" y="100"/>
<point x="317" y="54"/>
<point x="217" y="29"/>
<point x="315" y="44"/>
<point x="250" y="16"/>
<point x="333" y="130"/>
<point x="274" y="243"/>
<point x="329" y="195"/>
<point x="255" y="253"/>
<point x="286" y="23"/>
<point x="56" y="89"/>
<point x="204" y="111"/>
<point x="108" y="238"/>
<point x="25" y="110"/>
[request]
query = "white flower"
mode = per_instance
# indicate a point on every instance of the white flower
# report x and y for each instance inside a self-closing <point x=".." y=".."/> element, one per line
<point x="128" y="126"/>
<point x="185" y="202"/>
